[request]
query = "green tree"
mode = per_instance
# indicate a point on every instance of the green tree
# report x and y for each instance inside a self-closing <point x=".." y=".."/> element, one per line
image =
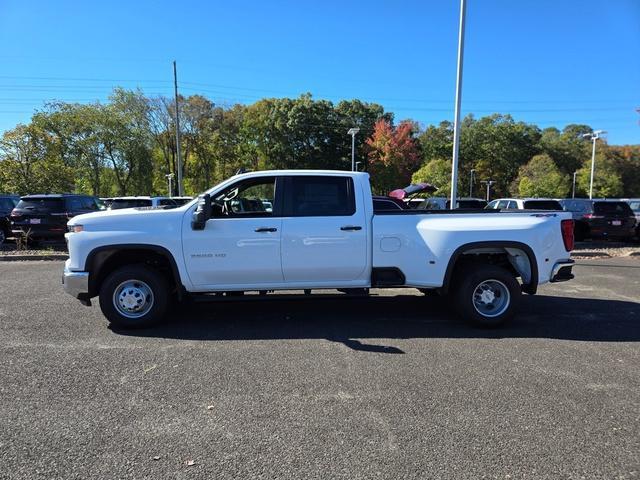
<point x="541" y="178"/>
<point x="436" y="172"/>
<point x="606" y="181"/>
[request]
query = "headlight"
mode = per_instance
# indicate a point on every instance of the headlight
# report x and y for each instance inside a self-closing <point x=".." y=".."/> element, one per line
<point x="75" y="228"/>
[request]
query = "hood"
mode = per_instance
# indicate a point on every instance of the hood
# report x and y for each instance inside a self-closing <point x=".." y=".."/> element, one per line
<point x="413" y="189"/>
<point x="126" y="218"/>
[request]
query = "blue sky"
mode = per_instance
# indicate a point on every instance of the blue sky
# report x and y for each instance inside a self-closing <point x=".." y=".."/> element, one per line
<point x="545" y="62"/>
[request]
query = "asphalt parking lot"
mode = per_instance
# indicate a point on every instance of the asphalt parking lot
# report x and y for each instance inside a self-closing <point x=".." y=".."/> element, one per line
<point x="385" y="387"/>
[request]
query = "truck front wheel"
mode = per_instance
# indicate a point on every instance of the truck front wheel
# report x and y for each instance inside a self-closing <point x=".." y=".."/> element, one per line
<point x="134" y="297"/>
<point x="486" y="295"/>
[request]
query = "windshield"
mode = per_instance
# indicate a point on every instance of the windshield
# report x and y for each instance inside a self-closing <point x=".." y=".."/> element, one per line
<point x="542" y="205"/>
<point x="7" y="203"/>
<point x="41" y="204"/>
<point x="119" y="203"/>
<point x="619" y="208"/>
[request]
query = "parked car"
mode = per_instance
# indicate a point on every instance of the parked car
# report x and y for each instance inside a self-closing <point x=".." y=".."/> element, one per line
<point x="7" y="203"/>
<point x="382" y="203"/>
<point x="321" y="234"/>
<point x="118" y="203"/>
<point x="443" y="203"/>
<point x="634" y="203"/>
<point x="601" y="218"/>
<point x="525" y="204"/>
<point x="40" y="217"/>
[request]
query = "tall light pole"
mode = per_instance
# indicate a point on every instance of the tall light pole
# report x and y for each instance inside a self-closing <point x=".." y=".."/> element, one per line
<point x="489" y="184"/>
<point x="594" y="136"/>
<point x="352" y="132"/>
<point x="456" y="120"/>
<point x="178" y="152"/>
<point x="471" y="179"/>
<point x="573" y="193"/>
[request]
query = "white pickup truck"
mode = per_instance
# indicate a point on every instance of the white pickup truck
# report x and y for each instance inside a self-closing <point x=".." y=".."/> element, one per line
<point x="319" y="232"/>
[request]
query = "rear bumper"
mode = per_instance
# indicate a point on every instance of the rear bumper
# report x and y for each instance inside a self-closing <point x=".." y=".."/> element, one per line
<point x="561" y="271"/>
<point x="76" y="284"/>
<point x="58" y="233"/>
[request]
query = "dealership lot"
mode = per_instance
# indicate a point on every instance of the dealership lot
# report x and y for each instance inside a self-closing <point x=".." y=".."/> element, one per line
<point x="386" y="387"/>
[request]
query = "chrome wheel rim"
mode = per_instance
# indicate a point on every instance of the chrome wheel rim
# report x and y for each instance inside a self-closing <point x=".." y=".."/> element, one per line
<point x="133" y="298"/>
<point x="491" y="298"/>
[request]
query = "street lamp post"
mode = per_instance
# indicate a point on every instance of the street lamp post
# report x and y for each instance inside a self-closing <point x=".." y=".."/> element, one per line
<point x="352" y="132"/>
<point x="594" y="136"/>
<point x="471" y="179"/>
<point x="456" y="118"/>
<point x="489" y="183"/>
<point x="573" y="193"/>
<point x="170" y="178"/>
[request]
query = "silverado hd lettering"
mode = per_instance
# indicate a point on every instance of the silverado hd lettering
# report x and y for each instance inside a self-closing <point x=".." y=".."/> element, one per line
<point x="306" y="230"/>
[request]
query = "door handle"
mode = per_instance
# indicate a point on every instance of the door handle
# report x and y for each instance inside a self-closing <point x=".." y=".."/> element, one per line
<point x="350" y="228"/>
<point x="266" y="229"/>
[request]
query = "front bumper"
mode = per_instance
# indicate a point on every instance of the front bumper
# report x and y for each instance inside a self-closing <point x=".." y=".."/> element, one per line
<point x="76" y="284"/>
<point x="561" y="271"/>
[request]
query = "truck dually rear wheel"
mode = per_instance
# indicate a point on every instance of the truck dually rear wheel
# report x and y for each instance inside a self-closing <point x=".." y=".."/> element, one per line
<point x="487" y="295"/>
<point x="134" y="297"/>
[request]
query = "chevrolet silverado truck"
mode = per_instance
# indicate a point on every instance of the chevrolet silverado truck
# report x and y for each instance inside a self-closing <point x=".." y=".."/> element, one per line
<point x="320" y="232"/>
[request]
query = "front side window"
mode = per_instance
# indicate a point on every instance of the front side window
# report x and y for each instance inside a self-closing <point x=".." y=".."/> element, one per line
<point x="320" y="196"/>
<point x="254" y="197"/>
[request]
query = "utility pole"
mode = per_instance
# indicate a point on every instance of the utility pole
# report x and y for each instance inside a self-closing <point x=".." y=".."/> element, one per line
<point x="352" y="132"/>
<point x="573" y="193"/>
<point x="594" y="136"/>
<point x="178" y="153"/>
<point x="456" y="120"/>
<point x="489" y="183"/>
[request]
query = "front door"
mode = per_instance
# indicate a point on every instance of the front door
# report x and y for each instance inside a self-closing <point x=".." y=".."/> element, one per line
<point x="240" y="245"/>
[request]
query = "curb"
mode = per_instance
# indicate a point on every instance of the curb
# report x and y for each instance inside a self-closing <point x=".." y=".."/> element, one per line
<point x="22" y="258"/>
<point x="590" y="255"/>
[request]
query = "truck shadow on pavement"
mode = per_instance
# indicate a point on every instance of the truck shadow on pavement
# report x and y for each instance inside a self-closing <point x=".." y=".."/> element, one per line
<point x="352" y="321"/>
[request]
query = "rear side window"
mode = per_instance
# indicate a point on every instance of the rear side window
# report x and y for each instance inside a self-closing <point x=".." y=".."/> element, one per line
<point x="55" y="205"/>
<point x="542" y="205"/>
<point x="620" y="208"/>
<point x="320" y="196"/>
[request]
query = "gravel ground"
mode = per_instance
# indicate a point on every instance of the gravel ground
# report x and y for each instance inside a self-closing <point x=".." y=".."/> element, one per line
<point x="319" y="388"/>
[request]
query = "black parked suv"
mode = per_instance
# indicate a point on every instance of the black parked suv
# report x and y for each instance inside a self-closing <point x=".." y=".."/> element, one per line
<point x="7" y="203"/>
<point x="601" y="218"/>
<point x="40" y="217"/>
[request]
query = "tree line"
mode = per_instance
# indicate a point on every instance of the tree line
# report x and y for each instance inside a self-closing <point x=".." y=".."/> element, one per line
<point x="127" y="146"/>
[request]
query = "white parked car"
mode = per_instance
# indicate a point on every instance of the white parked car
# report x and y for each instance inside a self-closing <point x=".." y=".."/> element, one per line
<point x="321" y="233"/>
<point x="117" y="203"/>
<point x="525" y="204"/>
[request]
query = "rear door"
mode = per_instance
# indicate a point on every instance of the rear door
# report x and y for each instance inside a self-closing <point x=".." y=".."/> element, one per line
<point x="614" y="217"/>
<point x="35" y="216"/>
<point x="324" y="231"/>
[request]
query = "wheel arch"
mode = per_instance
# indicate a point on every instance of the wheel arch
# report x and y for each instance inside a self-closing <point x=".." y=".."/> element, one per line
<point x="496" y="247"/>
<point x="101" y="261"/>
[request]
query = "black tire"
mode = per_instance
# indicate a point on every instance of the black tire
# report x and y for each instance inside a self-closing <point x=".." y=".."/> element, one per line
<point x="3" y="235"/>
<point x="502" y="287"/>
<point x="155" y="305"/>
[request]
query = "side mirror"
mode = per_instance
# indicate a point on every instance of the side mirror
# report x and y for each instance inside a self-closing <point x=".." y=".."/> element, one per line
<point x="202" y="212"/>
